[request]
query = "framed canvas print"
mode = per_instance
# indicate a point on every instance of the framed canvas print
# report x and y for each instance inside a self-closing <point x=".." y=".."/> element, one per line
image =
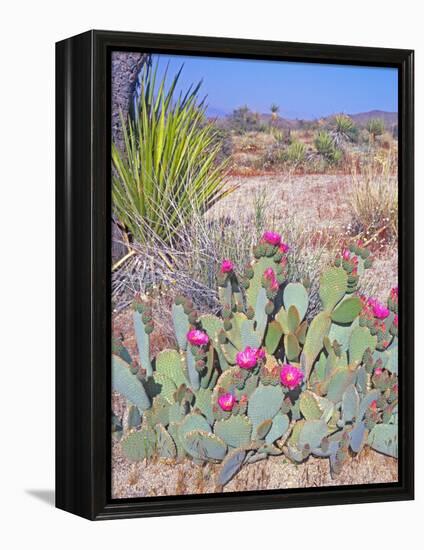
<point x="234" y="274"/>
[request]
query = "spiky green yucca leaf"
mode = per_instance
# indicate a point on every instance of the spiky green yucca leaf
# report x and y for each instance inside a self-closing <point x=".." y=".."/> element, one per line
<point x="296" y="152"/>
<point x="169" y="164"/>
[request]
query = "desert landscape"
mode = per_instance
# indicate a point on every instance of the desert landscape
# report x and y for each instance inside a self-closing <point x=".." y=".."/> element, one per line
<point x="251" y="231"/>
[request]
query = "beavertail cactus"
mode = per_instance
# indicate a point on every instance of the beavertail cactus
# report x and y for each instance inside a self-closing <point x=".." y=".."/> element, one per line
<point x="265" y="375"/>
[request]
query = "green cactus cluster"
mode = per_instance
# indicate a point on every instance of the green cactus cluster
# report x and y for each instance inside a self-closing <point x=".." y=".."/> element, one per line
<point x="221" y="396"/>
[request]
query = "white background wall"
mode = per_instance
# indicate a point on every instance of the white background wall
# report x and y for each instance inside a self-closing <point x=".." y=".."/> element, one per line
<point x="28" y="32"/>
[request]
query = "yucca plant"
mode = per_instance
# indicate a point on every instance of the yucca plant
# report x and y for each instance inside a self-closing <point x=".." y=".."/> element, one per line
<point x="296" y="152"/>
<point x="169" y="165"/>
<point x="274" y="110"/>
<point x="375" y="127"/>
<point x="325" y="147"/>
<point x="343" y="130"/>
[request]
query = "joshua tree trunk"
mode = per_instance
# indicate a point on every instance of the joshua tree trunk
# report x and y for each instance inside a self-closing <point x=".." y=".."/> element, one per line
<point x="126" y="67"/>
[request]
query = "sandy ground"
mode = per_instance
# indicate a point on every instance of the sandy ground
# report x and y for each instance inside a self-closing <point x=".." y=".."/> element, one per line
<point x="314" y="201"/>
<point x="168" y="477"/>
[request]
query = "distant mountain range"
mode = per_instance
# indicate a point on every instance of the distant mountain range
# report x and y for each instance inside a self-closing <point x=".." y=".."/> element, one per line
<point x="361" y="119"/>
<point x="390" y="119"/>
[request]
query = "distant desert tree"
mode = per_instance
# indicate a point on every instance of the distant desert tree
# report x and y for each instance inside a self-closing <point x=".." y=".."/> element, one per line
<point x="274" y="111"/>
<point x="244" y="120"/>
<point x="375" y="127"/>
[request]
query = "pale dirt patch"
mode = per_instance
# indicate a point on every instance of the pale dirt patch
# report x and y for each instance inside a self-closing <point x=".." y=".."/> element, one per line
<point x="313" y="201"/>
<point x="167" y="477"/>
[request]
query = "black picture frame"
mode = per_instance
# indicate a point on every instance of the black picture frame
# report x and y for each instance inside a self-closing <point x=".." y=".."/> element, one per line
<point x="83" y="264"/>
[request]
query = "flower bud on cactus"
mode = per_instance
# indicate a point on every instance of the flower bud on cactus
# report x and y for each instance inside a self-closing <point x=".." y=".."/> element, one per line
<point x="200" y="365"/>
<point x="245" y="283"/>
<point x="222" y="338"/>
<point x="228" y="324"/>
<point x="269" y="308"/>
<point x="192" y="317"/>
<point x="249" y="272"/>
<point x="226" y="312"/>
<point x="250" y="313"/>
<point x="148" y="328"/>
<point x="179" y="300"/>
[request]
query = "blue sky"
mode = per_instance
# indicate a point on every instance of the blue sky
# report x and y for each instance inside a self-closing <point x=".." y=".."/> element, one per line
<point x="302" y="90"/>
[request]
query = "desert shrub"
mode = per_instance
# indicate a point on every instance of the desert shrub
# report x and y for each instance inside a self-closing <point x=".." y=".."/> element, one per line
<point x="375" y="127"/>
<point x="343" y="130"/>
<point x="374" y="200"/>
<point x="296" y="153"/>
<point x="244" y="120"/>
<point x="259" y="379"/>
<point x="325" y="147"/>
<point x="169" y="163"/>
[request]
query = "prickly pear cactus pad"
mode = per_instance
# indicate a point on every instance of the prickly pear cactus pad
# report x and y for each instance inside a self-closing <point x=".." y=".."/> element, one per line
<point x="264" y="377"/>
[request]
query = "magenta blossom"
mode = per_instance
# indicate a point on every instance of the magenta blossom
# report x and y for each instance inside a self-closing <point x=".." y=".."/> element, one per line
<point x="269" y="274"/>
<point x="378" y="371"/>
<point x="284" y="248"/>
<point x="272" y="238"/>
<point x="227" y="266"/>
<point x="226" y="401"/>
<point x="260" y="354"/>
<point x="197" y="337"/>
<point x="248" y="358"/>
<point x="345" y="254"/>
<point x="379" y="311"/>
<point x="291" y="376"/>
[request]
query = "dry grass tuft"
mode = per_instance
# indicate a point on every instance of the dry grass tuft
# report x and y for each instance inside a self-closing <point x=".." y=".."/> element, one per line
<point x="374" y="200"/>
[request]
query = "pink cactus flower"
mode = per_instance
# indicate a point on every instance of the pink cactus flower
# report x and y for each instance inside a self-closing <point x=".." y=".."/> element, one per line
<point x="274" y="286"/>
<point x="373" y="405"/>
<point x="271" y="237"/>
<point x="378" y="371"/>
<point x="197" y="337"/>
<point x="284" y="248"/>
<point x="260" y="354"/>
<point x="248" y="358"/>
<point x="394" y="294"/>
<point x="269" y="274"/>
<point x="226" y="401"/>
<point x="345" y="254"/>
<point x="291" y="376"/>
<point x="227" y="266"/>
<point x="379" y="311"/>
